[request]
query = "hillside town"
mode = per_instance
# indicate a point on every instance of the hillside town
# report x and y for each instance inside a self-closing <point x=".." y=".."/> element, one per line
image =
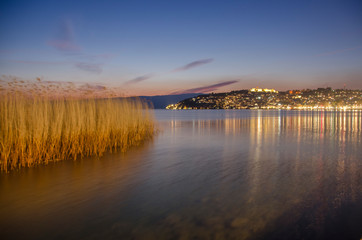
<point x="263" y="98"/>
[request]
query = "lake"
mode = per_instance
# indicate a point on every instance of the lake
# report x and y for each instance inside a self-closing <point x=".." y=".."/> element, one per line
<point x="207" y="174"/>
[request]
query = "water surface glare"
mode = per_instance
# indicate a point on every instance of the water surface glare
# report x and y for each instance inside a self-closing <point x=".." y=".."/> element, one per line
<point x="218" y="174"/>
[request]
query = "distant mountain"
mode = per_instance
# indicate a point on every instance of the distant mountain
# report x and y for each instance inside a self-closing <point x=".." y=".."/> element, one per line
<point x="161" y="101"/>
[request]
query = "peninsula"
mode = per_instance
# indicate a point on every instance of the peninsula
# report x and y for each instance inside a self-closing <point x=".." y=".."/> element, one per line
<point x="263" y="98"/>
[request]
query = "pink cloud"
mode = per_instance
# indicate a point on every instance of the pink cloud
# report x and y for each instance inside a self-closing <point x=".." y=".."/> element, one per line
<point x="37" y="62"/>
<point x="90" y="67"/>
<point x="337" y="51"/>
<point x="64" y="45"/>
<point x="64" y="40"/>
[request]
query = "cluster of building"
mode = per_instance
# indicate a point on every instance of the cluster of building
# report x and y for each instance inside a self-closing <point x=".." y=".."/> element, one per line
<point x="258" y="98"/>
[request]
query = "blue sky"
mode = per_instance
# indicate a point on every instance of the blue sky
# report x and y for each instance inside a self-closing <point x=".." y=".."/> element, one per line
<point x="162" y="47"/>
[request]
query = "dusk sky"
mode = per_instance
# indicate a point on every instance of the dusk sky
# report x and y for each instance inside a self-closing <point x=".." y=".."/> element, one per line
<point x="163" y="47"/>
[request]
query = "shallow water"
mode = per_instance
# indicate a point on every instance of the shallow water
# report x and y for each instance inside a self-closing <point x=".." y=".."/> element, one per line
<point x="218" y="174"/>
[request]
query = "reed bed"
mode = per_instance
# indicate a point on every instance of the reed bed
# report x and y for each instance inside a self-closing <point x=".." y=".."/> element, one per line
<point x="40" y="130"/>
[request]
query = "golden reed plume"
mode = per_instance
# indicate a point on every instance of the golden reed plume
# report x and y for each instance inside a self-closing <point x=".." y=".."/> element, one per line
<point x="39" y="129"/>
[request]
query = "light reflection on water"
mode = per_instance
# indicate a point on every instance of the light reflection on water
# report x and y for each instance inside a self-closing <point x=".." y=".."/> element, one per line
<point x="207" y="175"/>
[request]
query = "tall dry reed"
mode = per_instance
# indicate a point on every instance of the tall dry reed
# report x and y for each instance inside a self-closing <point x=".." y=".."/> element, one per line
<point x="39" y="130"/>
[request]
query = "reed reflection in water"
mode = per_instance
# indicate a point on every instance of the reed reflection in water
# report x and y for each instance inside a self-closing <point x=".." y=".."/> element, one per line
<point x="207" y="175"/>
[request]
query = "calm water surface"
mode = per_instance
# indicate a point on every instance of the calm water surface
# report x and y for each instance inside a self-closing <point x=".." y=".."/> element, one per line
<point x="206" y="175"/>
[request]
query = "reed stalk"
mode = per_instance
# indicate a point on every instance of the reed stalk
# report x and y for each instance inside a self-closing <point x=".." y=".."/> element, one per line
<point x="40" y="130"/>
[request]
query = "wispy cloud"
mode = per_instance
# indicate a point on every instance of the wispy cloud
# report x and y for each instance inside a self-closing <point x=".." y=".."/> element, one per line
<point x="90" y="67"/>
<point x="206" y="89"/>
<point x="64" y="40"/>
<point x="183" y="68"/>
<point x="93" y="87"/>
<point x="84" y="66"/>
<point x="6" y="51"/>
<point x="193" y="64"/>
<point x="39" y="62"/>
<point x="140" y="78"/>
<point x="98" y="57"/>
<point x="337" y="51"/>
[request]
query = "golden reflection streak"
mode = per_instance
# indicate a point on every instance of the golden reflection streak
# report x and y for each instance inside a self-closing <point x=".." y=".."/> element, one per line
<point x="313" y="129"/>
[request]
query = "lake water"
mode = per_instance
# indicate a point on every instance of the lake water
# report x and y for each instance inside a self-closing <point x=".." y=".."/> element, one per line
<point x="218" y="174"/>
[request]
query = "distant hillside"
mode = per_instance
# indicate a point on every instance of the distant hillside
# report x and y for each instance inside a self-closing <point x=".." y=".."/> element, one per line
<point x="257" y="98"/>
<point x="161" y="101"/>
